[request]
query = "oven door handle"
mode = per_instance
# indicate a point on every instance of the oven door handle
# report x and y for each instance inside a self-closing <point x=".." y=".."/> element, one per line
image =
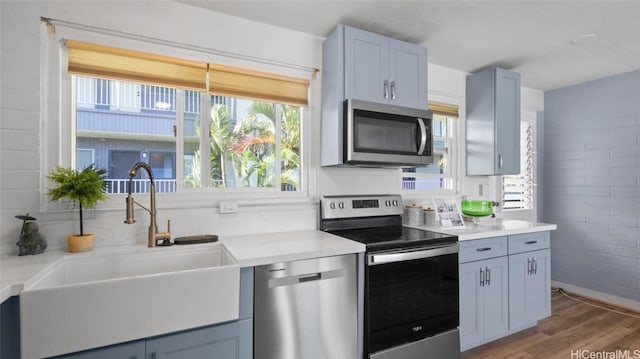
<point x="383" y="258"/>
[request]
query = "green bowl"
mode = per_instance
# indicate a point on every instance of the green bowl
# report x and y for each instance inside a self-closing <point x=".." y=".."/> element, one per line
<point x="477" y="208"/>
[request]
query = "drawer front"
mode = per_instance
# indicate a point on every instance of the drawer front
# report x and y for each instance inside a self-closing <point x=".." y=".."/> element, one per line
<point x="519" y="243"/>
<point x="478" y="249"/>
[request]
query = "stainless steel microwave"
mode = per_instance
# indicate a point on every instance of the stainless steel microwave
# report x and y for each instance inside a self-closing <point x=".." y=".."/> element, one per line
<point x="374" y="134"/>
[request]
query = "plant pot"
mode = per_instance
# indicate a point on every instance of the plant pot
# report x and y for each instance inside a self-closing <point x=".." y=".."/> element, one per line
<point x="79" y="243"/>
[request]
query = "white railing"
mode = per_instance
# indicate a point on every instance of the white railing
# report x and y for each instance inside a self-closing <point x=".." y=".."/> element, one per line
<point x="121" y="185"/>
<point x="132" y="97"/>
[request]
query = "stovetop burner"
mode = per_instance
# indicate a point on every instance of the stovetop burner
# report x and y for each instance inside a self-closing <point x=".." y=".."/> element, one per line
<point x="395" y="237"/>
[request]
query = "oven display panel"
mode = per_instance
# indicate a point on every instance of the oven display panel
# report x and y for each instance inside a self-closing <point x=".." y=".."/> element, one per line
<point x="365" y="203"/>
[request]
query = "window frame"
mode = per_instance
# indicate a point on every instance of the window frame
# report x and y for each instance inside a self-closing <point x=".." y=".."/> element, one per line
<point x="58" y="133"/>
<point x="454" y="155"/>
<point x="529" y="214"/>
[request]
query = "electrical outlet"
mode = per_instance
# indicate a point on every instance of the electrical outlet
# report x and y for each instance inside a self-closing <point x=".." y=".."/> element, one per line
<point x="228" y="207"/>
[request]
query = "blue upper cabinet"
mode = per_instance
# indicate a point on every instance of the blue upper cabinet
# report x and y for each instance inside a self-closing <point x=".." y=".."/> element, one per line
<point x="407" y="74"/>
<point x="361" y="65"/>
<point x="366" y="57"/>
<point x="493" y="122"/>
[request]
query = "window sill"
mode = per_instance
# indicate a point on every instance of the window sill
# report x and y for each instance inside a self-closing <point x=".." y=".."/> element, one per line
<point x="247" y="201"/>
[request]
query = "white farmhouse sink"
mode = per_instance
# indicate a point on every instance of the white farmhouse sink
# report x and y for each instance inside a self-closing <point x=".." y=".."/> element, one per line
<point x="98" y="300"/>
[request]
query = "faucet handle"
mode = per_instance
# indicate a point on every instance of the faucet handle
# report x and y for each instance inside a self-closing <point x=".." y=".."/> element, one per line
<point x="164" y="238"/>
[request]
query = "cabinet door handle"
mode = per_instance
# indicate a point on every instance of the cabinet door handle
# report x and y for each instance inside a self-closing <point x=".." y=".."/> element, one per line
<point x="530" y="242"/>
<point x="481" y="277"/>
<point x="535" y="266"/>
<point x="393" y="90"/>
<point x="385" y="89"/>
<point x="529" y="266"/>
<point x="483" y="249"/>
<point x="500" y="161"/>
<point x="488" y="275"/>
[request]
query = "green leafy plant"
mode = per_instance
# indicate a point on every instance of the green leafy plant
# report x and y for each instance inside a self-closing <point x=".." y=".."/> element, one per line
<point x="84" y="188"/>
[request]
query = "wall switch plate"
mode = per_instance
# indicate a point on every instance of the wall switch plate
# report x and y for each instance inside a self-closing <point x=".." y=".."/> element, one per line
<point x="228" y="207"/>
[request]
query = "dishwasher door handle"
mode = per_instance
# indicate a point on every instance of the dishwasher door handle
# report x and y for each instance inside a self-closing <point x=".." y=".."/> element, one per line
<point x="305" y="278"/>
<point x="309" y="278"/>
<point x="382" y="258"/>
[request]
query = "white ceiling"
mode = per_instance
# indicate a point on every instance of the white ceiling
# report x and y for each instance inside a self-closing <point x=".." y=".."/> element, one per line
<point x="530" y="37"/>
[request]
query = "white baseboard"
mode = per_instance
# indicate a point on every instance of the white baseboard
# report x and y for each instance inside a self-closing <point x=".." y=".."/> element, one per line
<point x="600" y="296"/>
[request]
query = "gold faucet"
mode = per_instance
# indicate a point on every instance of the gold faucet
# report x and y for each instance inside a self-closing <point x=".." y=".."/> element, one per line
<point x="154" y="235"/>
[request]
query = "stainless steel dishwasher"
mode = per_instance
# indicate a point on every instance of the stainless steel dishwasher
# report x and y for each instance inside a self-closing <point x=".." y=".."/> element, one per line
<point x="307" y="309"/>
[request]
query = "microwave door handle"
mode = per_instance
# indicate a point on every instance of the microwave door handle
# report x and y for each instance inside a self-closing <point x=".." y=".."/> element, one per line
<point x="423" y="136"/>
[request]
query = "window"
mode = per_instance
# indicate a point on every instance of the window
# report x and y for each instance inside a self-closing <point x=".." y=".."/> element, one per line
<point x="440" y="175"/>
<point x="518" y="190"/>
<point x="252" y="144"/>
<point x="244" y="133"/>
<point x="84" y="158"/>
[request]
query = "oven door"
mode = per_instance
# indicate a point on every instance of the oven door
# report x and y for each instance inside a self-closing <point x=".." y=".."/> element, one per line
<point x="411" y="295"/>
<point x="385" y="134"/>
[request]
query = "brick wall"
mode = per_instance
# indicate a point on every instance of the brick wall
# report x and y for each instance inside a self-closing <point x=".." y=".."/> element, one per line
<point x="592" y="184"/>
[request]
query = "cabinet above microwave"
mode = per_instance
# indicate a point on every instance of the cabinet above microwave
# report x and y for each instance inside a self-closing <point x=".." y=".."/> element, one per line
<point x="362" y="65"/>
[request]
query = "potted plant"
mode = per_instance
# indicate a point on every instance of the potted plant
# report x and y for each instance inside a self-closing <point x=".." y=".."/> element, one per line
<point x="84" y="189"/>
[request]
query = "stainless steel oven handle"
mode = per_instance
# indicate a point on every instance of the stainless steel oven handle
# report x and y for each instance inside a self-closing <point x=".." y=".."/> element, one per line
<point x="383" y="258"/>
<point x="423" y="136"/>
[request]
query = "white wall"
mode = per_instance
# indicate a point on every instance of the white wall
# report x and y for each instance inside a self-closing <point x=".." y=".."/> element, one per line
<point x="23" y="141"/>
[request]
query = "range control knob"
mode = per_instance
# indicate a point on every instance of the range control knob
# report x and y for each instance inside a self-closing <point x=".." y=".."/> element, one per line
<point x="387" y="203"/>
<point x="395" y="203"/>
<point x="341" y="205"/>
<point x="332" y="205"/>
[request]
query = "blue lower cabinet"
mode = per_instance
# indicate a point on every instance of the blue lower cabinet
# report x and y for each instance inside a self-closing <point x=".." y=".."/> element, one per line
<point x="130" y="350"/>
<point x="232" y="340"/>
<point x="10" y="328"/>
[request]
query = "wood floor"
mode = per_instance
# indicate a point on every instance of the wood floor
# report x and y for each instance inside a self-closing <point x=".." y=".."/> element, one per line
<point x="572" y="326"/>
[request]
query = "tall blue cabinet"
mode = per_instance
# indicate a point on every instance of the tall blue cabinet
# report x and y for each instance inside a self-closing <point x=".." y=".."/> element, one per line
<point x="493" y="122"/>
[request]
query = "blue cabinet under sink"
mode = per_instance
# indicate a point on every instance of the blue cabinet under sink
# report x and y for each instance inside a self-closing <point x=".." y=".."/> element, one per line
<point x="130" y="350"/>
<point x="10" y="328"/>
<point x="226" y="340"/>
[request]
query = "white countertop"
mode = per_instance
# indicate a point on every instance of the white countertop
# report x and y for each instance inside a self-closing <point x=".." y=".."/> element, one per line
<point x="491" y="228"/>
<point x="269" y="248"/>
<point x="17" y="272"/>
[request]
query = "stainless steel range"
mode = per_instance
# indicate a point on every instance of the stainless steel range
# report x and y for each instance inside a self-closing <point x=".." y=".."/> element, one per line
<point x="411" y="290"/>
